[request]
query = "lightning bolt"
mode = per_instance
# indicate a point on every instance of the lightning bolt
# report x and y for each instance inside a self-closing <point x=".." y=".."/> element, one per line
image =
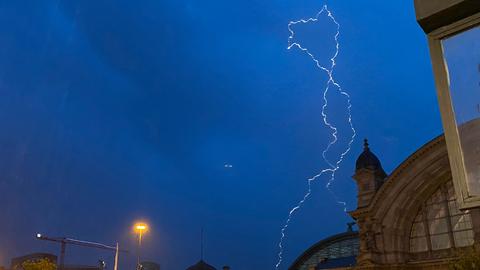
<point x="332" y="166"/>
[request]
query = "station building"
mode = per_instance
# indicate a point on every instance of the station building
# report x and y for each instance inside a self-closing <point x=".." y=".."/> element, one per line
<point x="408" y="219"/>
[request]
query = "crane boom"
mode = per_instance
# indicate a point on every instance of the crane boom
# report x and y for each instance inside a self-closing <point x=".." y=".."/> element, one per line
<point x="64" y="241"/>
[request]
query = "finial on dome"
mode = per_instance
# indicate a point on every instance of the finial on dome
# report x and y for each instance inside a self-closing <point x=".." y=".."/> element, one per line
<point x="367" y="159"/>
<point x="365" y="144"/>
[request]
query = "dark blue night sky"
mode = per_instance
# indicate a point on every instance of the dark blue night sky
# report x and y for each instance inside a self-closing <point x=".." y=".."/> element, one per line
<point x="112" y="111"/>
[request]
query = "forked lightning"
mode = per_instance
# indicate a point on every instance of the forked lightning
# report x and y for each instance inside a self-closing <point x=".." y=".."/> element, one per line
<point x="332" y="166"/>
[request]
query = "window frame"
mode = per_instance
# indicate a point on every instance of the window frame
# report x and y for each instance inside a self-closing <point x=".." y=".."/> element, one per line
<point x="425" y="220"/>
<point x="452" y="138"/>
<point x="333" y="250"/>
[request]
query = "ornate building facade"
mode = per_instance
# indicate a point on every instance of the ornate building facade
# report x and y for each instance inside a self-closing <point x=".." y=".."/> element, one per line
<point x="408" y="219"/>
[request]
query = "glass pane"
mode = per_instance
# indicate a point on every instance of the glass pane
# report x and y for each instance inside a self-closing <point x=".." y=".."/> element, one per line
<point x="462" y="55"/>
<point x="418" y="229"/>
<point x="418" y="244"/>
<point x="462" y="222"/>
<point x="464" y="238"/>
<point x="436" y="211"/>
<point x="441" y="241"/>
<point x="453" y="207"/>
<point x="438" y="226"/>
<point x="339" y="249"/>
<point x="436" y="198"/>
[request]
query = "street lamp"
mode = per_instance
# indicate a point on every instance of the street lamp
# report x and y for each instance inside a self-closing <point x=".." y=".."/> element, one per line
<point x="140" y="228"/>
<point x="453" y="31"/>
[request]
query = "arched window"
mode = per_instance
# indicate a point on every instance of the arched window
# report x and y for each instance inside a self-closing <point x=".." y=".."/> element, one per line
<point x="440" y="224"/>
<point x="342" y="248"/>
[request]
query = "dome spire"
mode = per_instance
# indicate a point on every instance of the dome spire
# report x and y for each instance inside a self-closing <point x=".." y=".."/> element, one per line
<point x="365" y="144"/>
<point x="201" y="244"/>
<point x="367" y="159"/>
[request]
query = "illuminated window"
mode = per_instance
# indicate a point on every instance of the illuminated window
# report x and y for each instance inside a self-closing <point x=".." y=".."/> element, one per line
<point x="440" y="224"/>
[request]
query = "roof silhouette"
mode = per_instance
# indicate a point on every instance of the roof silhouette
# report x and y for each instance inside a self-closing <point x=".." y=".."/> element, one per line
<point x="201" y="265"/>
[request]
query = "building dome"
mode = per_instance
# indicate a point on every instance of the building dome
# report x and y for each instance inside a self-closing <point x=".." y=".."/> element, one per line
<point x="367" y="159"/>
<point x="201" y="265"/>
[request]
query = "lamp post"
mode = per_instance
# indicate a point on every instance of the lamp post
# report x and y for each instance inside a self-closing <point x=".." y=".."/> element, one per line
<point x="453" y="31"/>
<point x="140" y="228"/>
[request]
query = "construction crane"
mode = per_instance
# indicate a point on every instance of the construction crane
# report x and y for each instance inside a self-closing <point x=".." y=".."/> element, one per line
<point x="64" y="241"/>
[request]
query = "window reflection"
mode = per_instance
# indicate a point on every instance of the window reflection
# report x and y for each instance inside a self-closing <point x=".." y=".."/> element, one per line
<point x="462" y="56"/>
<point x="444" y="225"/>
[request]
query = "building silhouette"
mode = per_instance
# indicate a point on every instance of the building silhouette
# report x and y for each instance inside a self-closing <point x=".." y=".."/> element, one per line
<point x="201" y="265"/>
<point x="408" y="219"/>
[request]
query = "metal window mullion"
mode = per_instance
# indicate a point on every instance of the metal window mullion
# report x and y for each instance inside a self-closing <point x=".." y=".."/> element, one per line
<point x="449" y="216"/>
<point x="425" y="225"/>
